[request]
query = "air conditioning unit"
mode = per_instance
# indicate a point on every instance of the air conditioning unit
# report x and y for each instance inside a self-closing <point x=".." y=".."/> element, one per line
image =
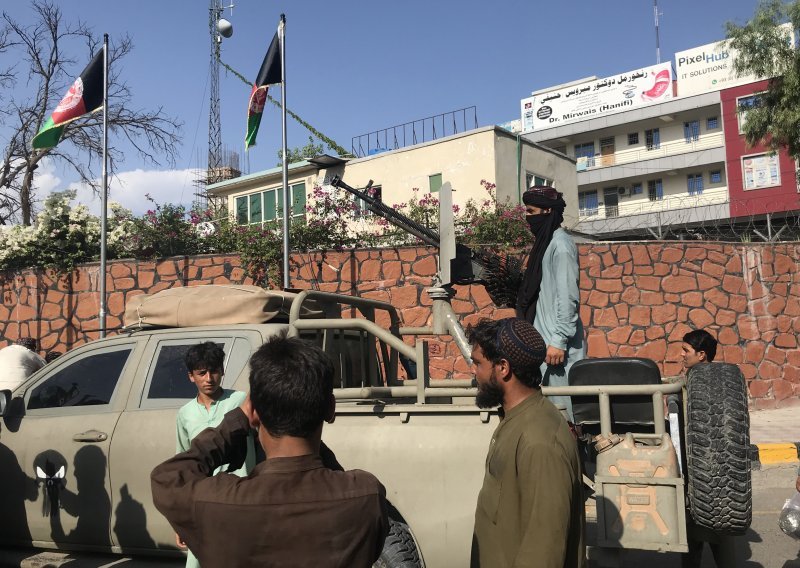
<point x="624" y="190"/>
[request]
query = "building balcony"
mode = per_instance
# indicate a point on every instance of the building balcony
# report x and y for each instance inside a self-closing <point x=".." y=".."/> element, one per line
<point x="670" y="148"/>
<point x="673" y="157"/>
<point x="710" y="196"/>
<point x="649" y="218"/>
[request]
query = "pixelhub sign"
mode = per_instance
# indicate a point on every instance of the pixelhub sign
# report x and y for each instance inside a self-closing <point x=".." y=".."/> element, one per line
<point x="707" y="68"/>
<point x="709" y="62"/>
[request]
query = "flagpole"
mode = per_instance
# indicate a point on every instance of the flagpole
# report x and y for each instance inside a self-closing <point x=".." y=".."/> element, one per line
<point x="286" y="202"/>
<point x="104" y="195"/>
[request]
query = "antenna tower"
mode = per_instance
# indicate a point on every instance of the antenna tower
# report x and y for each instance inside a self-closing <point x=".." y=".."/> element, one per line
<point x="222" y="163"/>
<point x="656" y="13"/>
<point x="214" y="121"/>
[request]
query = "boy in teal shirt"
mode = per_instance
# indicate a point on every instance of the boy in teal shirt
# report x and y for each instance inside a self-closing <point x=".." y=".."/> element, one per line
<point x="205" y="363"/>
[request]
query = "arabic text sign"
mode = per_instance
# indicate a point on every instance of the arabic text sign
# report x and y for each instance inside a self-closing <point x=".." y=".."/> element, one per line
<point x="602" y="97"/>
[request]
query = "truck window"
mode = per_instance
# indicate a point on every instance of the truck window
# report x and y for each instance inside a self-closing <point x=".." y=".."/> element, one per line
<point x="167" y="384"/>
<point x="90" y="380"/>
<point x="169" y="378"/>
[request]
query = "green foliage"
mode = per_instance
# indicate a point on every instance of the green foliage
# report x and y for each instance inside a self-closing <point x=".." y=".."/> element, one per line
<point x="66" y="235"/>
<point x="487" y="222"/>
<point x="301" y="152"/>
<point x="328" y="222"/>
<point x="163" y="231"/>
<point x="62" y="237"/>
<point x="260" y="249"/>
<point x="766" y="50"/>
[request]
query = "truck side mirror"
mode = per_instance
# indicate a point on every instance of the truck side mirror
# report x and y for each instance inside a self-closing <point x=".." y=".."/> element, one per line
<point x="5" y="398"/>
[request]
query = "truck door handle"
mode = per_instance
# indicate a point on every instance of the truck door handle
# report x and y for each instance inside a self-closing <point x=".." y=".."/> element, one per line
<point x="90" y="436"/>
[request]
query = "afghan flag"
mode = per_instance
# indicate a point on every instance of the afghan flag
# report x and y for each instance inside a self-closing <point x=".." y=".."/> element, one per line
<point x="269" y="74"/>
<point x="84" y="96"/>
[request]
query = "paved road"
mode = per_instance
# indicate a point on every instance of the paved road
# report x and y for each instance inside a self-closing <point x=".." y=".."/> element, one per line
<point x="764" y="545"/>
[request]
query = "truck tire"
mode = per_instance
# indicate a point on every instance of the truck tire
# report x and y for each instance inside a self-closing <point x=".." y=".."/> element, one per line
<point x="400" y="549"/>
<point x="717" y="449"/>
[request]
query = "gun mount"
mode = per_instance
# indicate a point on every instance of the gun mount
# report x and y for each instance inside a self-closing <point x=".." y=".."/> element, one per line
<point x="500" y="274"/>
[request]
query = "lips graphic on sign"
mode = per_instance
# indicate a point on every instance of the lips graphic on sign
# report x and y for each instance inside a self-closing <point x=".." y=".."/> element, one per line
<point x="660" y="86"/>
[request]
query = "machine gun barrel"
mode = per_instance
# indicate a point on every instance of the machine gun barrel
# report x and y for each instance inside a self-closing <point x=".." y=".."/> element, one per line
<point x="500" y="274"/>
<point x="394" y="217"/>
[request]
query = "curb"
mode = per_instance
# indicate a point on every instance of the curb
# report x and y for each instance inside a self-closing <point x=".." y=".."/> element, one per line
<point x="772" y="454"/>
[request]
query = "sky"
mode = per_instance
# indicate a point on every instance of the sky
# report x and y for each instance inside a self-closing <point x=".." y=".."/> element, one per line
<point x="355" y="67"/>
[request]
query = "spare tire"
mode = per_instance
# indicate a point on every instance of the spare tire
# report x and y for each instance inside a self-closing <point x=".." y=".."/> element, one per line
<point x="400" y="548"/>
<point x="717" y="449"/>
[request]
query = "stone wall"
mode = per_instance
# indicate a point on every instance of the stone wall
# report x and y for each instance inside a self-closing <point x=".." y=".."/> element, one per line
<point x="637" y="299"/>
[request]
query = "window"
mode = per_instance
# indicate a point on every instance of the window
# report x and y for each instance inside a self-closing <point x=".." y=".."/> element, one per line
<point x="760" y="170"/>
<point x="744" y="104"/>
<point x="655" y="190"/>
<point x="255" y="208"/>
<point x="712" y="123"/>
<point x="361" y="206"/>
<point x="435" y="183"/>
<point x="691" y="131"/>
<point x="633" y="138"/>
<point x="268" y="205"/>
<point x="652" y="139"/>
<point x="636" y="188"/>
<point x="167" y="386"/>
<point x="90" y="380"/>
<point x="241" y="210"/>
<point x="298" y="193"/>
<point x="694" y="184"/>
<point x="532" y="179"/>
<point x="587" y="203"/>
<point x="169" y="375"/>
<point x="715" y="176"/>
<point x="585" y="151"/>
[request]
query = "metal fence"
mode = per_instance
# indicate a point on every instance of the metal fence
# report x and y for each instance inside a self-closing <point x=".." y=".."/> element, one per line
<point x="415" y="132"/>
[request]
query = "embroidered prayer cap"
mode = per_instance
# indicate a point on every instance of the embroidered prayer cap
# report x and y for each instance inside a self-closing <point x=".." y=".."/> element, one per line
<point x="520" y="344"/>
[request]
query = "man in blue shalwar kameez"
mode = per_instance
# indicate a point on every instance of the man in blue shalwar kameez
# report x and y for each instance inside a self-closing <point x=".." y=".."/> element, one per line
<point x="549" y="297"/>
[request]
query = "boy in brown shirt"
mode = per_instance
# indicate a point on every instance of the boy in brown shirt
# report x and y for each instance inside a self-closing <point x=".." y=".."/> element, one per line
<point x="291" y="510"/>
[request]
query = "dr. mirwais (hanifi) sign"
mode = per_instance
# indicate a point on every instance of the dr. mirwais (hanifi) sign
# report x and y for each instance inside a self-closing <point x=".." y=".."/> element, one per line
<point x="592" y="99"/>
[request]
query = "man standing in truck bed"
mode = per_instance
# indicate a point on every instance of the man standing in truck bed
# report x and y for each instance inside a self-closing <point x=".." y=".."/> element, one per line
<point x="549" y="297"/>
<point x="530" y="508"/>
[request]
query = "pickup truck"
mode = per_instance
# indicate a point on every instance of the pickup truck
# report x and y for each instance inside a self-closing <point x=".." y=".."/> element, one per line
<point x="81" y="436"/>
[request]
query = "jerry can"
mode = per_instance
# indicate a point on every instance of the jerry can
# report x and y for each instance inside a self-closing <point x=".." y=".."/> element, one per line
<point x="639" y="494"/>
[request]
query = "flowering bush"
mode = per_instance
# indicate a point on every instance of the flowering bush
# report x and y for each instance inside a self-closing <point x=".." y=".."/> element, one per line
<point x="423" y="210"/>
<point x="328" y="222"/>
<point x="65" y="235"/>
<point x="163" y="231"/>
<point x="499" y="225"/>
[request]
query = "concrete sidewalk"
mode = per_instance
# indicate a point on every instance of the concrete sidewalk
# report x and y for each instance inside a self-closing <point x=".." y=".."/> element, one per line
<point x="775" y="435"/>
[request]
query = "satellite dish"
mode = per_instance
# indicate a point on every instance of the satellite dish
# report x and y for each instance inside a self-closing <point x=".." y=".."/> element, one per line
<point x="224" y="27"/>
<point x="206" y="229"/>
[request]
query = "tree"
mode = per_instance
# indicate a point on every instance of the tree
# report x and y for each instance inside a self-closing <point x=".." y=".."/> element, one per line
<point x="766" y="49"/>
<point x="44" y="49"/>
<point x="301" y="152"/>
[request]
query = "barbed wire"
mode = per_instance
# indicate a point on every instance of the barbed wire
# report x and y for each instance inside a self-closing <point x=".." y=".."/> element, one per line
<point x="745" y="220"/>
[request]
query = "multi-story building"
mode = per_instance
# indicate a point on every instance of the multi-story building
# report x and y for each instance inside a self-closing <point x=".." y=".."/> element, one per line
<point x="462" y="160"/>
<point x="664" y="160"/>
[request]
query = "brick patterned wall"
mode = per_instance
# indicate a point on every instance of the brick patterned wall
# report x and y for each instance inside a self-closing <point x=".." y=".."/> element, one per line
<point x="637" y="299"/>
